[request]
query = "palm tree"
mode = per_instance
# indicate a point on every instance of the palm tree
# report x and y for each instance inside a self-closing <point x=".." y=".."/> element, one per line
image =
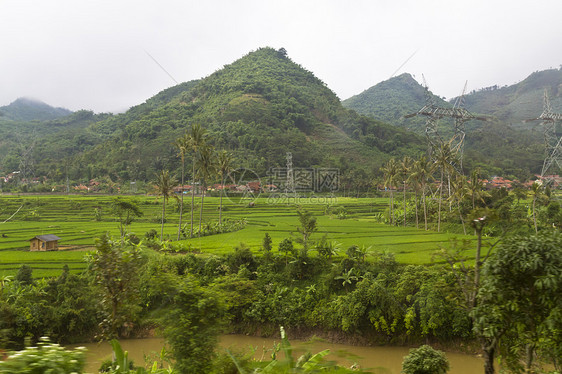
<point x="421" y="173"/>
<point x="414" y="180"/>
<point x="443" y="161"/>
<point x="405" y="167"/>
<point x="197" y="140"/>
<point x="224" y="166"/>
<point x="536" y="190"/>
<point x="476" y="187"/>
<point x="205" y="167"/>
<point x="164" y="187"/>
<point x="460" y="191"/>
<point x="390" y="171"/>
<point x="182" y="144"/>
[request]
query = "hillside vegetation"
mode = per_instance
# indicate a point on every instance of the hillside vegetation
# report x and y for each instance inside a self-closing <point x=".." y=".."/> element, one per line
<point x="389" y="101"/>
<point x="521" y="101"/>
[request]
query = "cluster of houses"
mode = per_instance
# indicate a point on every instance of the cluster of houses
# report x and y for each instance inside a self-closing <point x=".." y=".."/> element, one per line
<point x="555" y="181"/>
<point x="254" y="187"/>
<point x="10" y="176"/>
<point x="499" y="182"/>
<point x="92" y="186"/>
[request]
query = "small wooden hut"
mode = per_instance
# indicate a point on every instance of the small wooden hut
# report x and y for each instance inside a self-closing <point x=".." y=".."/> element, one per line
<point x="44" y="243"/>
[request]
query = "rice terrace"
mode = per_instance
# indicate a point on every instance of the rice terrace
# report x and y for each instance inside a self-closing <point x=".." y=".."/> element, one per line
<point x="73" y="219"/>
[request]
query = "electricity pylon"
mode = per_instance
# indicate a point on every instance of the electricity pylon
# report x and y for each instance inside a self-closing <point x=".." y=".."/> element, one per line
<point x="552" y="142"/>
<point x="290" y="185"/>
<point x="434" y="113"/>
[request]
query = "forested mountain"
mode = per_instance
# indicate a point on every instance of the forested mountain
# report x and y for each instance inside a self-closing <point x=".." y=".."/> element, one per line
<point x="24" y="109"/>
<point x="389" y="101"/>
<point x="259" y="107"/>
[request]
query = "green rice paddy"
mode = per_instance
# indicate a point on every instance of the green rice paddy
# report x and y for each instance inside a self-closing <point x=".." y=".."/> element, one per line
<point x="72" y="218"/>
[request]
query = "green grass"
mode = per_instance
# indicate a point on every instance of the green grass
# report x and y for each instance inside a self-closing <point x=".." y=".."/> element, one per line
<point x="72" y="219"/>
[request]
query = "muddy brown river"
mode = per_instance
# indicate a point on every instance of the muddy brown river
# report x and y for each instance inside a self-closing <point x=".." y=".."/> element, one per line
<point x="378" y="360"/>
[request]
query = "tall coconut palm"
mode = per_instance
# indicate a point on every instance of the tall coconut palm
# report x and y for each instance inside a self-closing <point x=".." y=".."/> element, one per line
<point x="182" y="144"/>
<point x="404" y="169"/>
<point x="164" y="187"/>
<point x="460" y="192"/>
<point x="536" y="190"/>
<point x="422" y="171"/>
<point x="197" y="140"/>
<point x="224" y="166"/>
<point x="476" y="187"/>
<point x="390" y="170"/>
<point x="205" y="168"/>
<point x="414" y="181"/>
<point x="443" y="160"/>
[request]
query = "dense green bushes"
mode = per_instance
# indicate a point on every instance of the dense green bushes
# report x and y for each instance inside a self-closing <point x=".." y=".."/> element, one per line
<point x="381" y="299"/>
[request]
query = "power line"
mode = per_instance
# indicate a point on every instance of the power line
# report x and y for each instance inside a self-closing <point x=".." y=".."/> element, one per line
<point x="161" y="67"/>
<point x="404" y="63"/>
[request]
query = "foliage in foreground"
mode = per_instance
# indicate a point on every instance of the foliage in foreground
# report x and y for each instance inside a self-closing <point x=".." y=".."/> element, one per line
<point x="519" y="306"/>
<point x="306" y="363"/>
<point x="122" y="365"/>
<point x="45" y="358"/>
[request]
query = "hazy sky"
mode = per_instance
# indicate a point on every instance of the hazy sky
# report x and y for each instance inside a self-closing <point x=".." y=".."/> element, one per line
<point x="83" y="54"/>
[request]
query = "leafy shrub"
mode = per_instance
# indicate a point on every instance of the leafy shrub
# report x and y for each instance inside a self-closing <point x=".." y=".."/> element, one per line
<point x="213" y="227"/>
<point x="425" y="360"/>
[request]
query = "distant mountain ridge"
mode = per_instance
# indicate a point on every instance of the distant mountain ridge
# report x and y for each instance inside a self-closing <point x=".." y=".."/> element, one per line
<point x="521" y="101"/>
<point x="26" y="109"/>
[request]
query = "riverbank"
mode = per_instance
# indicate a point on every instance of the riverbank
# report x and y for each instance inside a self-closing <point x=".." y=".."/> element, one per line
<point x="470" y="347"/>
<point x="376" y="359"/>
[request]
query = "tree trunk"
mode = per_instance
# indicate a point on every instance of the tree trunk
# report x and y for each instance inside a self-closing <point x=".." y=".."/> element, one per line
<point x="404" y="203"/>
<point x="535" y="214"/>
<point x="529" y="353"/>
<point x="391" y="207"/>
<point x="477" y="264"/>
<point x="201" y="209"/>
<point x="489" y="353"/>
<point x="192" y="198"/>
<point x="181" y="190"/>
<point x="460" y="215"/>
<point x="440" y="200"/>
<point x="163" y="215"/>
<point x="220" y="204"/>
<point x="424" y="208"/>
<point x="416" y="205"/>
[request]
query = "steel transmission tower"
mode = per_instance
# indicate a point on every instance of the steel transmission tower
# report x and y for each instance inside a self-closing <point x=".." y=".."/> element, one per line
<point x="290" y="186"/>
<point x="434" y="113"/>
<point x="552" y="142"/>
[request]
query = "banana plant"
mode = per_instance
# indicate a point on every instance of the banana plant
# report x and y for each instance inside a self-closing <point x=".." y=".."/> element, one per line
<point x="307" y="363"/>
